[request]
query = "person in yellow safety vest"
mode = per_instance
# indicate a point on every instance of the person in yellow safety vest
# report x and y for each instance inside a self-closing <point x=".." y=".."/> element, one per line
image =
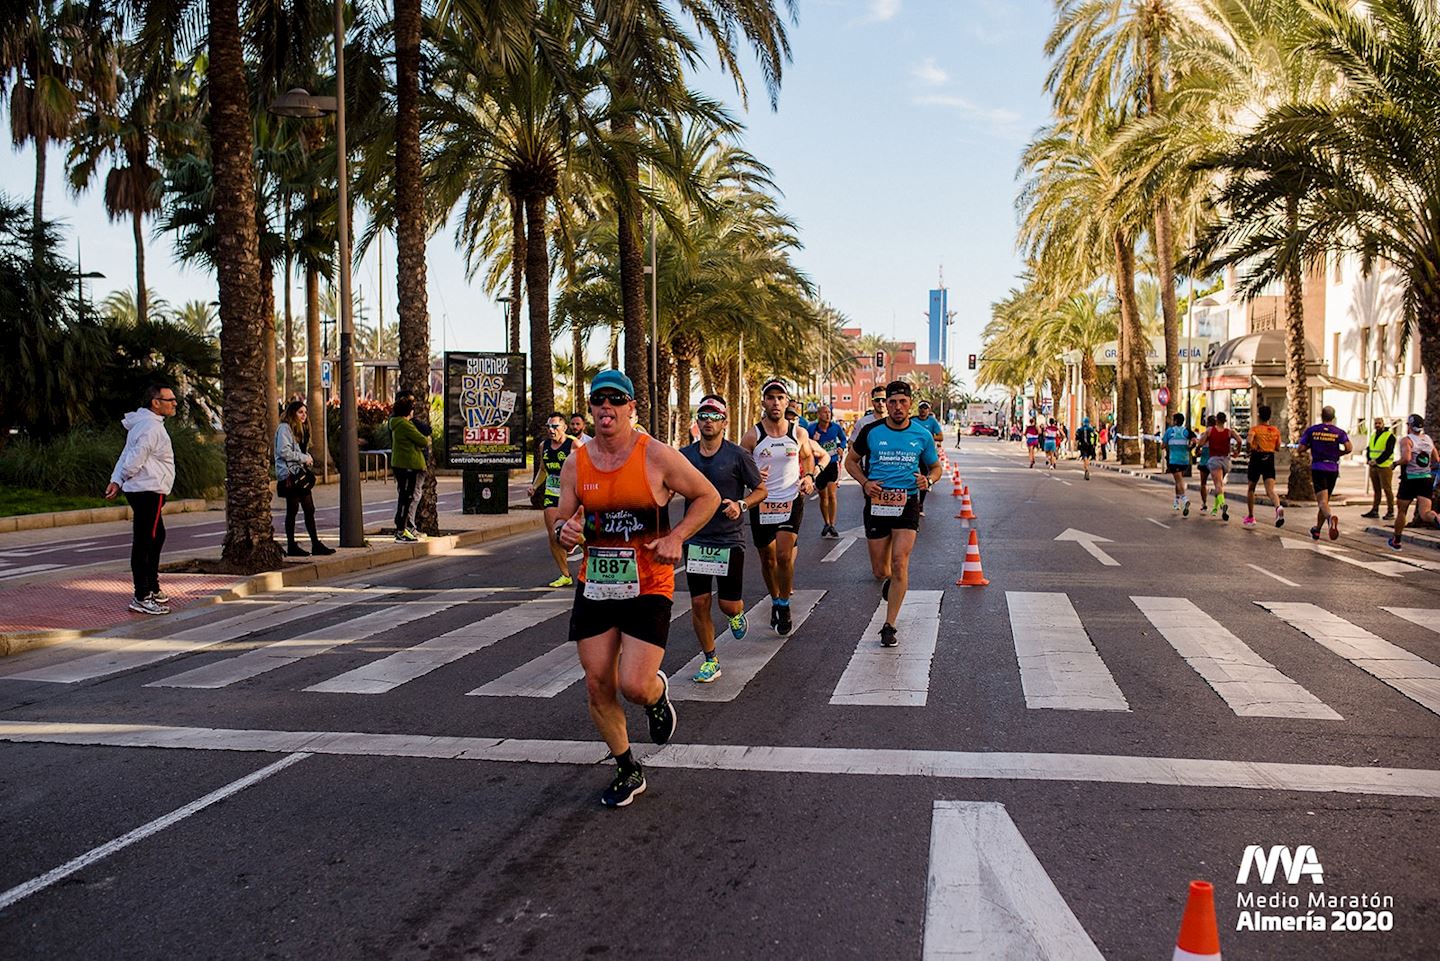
<point x="1380" y="455"/>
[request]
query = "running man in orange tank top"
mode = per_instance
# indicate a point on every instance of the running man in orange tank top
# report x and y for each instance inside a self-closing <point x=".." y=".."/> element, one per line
<point x="615" y="492"/>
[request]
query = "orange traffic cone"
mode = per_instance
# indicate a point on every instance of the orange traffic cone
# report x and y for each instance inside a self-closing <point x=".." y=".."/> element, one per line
<point x="955" y="484"/>
<point x="967" y="510"/>
<point x="973" y="575"/>
<point x="1199" y="938"/>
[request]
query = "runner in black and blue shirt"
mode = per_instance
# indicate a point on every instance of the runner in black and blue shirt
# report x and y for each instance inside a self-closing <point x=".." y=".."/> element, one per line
<point x="1177" y="438"/>
<point x="893" y="460"/>
<point x="831" y="437"/>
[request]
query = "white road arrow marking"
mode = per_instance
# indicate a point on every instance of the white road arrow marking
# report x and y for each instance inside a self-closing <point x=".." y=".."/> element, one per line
<point x="1383" y="568"/>
<point x="988" y="896"/>
<point x="1088" y="541"/>
<point x="847" y="538"/>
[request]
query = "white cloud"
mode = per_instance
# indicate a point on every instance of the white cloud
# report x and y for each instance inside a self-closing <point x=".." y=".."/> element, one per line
<point x="882" y="10"/>
<point x="929" y="73"/>
<point x="996" y="116"/>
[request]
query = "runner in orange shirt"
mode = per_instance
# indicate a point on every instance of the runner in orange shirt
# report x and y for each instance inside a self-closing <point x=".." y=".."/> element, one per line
<point x="1264" y="442"/>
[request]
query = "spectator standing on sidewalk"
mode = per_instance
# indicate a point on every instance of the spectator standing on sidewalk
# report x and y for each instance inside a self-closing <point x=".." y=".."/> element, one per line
<point x="146" y="472"/>
<point x="407" y="459"/>
<point x="295" y="477"/>
<point x="1380" y="455"/>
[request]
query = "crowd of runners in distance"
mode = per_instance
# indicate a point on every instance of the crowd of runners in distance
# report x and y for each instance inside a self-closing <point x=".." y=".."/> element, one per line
<point x="610" y="498"/>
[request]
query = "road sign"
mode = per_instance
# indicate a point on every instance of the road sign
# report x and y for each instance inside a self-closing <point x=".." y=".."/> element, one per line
<point x="1163" y="396"/>
<point x="325" y="375"/>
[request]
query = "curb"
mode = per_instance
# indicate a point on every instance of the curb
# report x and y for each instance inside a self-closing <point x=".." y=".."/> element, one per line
<point x="307" y="573"/>
<point x="1338" y="500"/>
<point x="1418" y="539"/>
<point x="90" y="515"/>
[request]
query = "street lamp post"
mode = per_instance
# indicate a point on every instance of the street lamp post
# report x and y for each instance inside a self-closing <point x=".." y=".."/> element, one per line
<point x="510" y="344"/>
<point x="299" y="103"/>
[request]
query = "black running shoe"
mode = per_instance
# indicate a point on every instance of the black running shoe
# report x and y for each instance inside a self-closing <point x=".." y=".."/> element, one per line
<point x="623" y="789"/>
<point x="887" y="636"/>
<point x="661" y="714"/>
<point x="782" y="620"/>
<point x="885" y="589"/>
<point x="774" y="613"/>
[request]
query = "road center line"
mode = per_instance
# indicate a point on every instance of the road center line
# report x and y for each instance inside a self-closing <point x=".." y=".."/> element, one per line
<point x="1283" y="580"/>
<point x="1157" y="523"/>
<point x="44" y="881"/>
<point x="881" y="762"/>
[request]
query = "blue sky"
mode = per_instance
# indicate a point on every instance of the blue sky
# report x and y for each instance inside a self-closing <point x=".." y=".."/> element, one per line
<point x="899" y="126"/>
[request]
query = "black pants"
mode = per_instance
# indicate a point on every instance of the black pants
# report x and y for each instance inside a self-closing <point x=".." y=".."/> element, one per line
<point x="405" y="505"/>
<point x="293" y="504"/>
<point x="149" y="529"/>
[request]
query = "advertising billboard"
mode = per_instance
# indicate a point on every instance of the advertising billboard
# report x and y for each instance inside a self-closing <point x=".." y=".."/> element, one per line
<point x="486" y="421"/>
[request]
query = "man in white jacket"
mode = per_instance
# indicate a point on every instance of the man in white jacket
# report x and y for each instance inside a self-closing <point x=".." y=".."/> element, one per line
<point x="146" y="472"/>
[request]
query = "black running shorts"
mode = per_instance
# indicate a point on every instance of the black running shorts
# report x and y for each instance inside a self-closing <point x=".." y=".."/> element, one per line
<point x="1261" y="467"/>
<point x="1414" y="487"/>
<point x="1324" y="480"/>
<point x="877" y="528"/>
<point x="645" y="618"/>
<point x="1087" y="451"/>
<point x="765" y="533"/>
<point x="830" y="474"/>
<point x="731" y="584"/>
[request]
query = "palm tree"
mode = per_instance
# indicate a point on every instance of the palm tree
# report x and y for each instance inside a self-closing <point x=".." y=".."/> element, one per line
<point x="198" y="317"/>
<point x="123" y="307"/>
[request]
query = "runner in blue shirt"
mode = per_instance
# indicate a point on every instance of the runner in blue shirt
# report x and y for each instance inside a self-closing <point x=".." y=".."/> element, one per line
<point x="893" y="460"/>
<point x="831" y="437"/>
<point x="1177" y="439"/>
<point x="927" y="420"/>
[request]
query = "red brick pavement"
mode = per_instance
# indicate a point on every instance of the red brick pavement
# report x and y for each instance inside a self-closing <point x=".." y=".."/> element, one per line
<point x="94" y="601"/>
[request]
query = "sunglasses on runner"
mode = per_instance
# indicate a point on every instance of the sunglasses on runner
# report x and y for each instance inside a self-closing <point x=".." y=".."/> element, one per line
<point x="709" y="415"/>
<point x="612" y="397"/>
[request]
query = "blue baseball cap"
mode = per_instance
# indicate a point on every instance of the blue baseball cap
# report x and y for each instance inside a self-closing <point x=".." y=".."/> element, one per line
<point x="614" y="380"/>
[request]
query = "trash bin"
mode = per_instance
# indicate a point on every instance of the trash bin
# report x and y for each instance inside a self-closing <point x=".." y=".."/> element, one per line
<point x="485" y="491"/>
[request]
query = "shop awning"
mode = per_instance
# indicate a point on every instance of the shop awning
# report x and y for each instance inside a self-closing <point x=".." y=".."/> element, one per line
<point x="1324" y="381"/>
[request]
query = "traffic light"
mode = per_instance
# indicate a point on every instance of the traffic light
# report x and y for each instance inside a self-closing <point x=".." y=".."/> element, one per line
<point x="973" y="360"/>
<point x="879" y="360"/>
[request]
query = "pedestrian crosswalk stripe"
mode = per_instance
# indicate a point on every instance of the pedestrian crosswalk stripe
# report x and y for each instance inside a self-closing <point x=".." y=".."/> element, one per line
<point x="1059" y="666"/>
<point x="743" y="659"/>
<point x="124" y="654"/>
<point x="1425" y="617"/>
<point x="1249" y="684"/>
<point x="555" y="670"/>
<point x="278" y="654"/>
<point x="988" y="896"/>
<point x="404" y="666"/>
<point x="894" y="676"/>
<point x="1407" y="673"/>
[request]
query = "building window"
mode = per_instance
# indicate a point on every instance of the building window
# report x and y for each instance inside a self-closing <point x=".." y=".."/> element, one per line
<point x="1335" y="357"/>
<point x="846" y="398"/>
<point x="1364" y="353"/>
<point x="1382" y="347"/>
<point x="1339" y="272"/>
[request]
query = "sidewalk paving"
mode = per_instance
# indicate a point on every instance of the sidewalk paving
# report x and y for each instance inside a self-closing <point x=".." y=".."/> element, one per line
<point x="55" y="606"/>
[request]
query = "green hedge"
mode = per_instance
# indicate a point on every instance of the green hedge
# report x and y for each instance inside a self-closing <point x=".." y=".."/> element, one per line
<point x="80" y="462"/>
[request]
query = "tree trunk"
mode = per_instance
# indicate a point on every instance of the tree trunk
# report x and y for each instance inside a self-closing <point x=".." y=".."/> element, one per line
<point x="315" y="390"/>
<point x="517" y="271"/>
<point x="289" y="314"/>
<point x="732" y="398"/>
<point x="142" y="296"/>
<point x="414" y="315"/>
<point x="249" y="544"/>
<point x="632" y="271"/>
<point x="684" y="376"/>
<point x="537" y="293"/>
<point x="1169" y="306"/>
<point x="577" y="358"/>
<point x="1125" y="419"/>
<point x="1428" y="330"/>
<point x="267" y="304"/>
<point x="1087" y="384"/>
<point x="37" y="210"/>
<point x="1299" y="485"/>
<point x="662" y="393"/>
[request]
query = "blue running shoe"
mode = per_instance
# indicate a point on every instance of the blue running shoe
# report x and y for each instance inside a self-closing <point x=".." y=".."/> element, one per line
<point x="709" y="670"/>
<point x="738" y="626"/>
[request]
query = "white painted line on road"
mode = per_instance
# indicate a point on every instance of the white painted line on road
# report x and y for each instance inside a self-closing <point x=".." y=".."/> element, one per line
<point x="1267" y="776"/>
<point x="120" y="653"/>
<point x="1059" y="667"/>
<point x="555" y="670"/>
<point x="32" y="569"/>
<point x="103" y="547"/>
<point x="1251" y="685"/>
<point x="894" y="676"/>
<point x="1383" y="568"/>
<point x="1425" y="617"/>
<point x="742" y="660"/>
<point x="838" y="550"/>
<point x="44" y="881"/>
<point x="988" y="896"/>
<point x="1407" y="673"/>
<point x="32" y="551"/>
<point x="1157" y="523"/>
<point x="404" y="666"/>
<point x="1089" y="542"/>
<point x="277" y="654"/>
<point x="1283" y="580"/>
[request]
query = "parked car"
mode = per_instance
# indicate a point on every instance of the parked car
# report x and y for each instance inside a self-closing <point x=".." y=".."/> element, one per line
<point x="983" y="430"/>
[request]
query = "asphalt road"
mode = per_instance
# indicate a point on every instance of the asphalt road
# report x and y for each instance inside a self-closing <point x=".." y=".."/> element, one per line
<point x="1086" y="739"/>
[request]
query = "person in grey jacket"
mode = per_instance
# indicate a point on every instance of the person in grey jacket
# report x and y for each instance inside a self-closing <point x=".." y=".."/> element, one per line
<point x="146" y="472"/>
<point x="295" y="477"/>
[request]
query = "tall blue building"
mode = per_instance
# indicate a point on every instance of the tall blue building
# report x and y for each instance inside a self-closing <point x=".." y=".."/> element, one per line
<point x="940" y="324"/>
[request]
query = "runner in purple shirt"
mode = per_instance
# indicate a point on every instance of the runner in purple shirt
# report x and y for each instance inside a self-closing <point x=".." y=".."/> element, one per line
<point x="1326" y="443"/>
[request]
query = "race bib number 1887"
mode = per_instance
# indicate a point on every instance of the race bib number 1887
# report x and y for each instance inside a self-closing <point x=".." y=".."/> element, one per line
<point x="611" y="573"/>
